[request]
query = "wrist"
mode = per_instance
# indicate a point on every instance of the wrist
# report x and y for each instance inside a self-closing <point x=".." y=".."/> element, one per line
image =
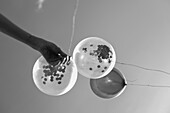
<point x="36" y="43"/>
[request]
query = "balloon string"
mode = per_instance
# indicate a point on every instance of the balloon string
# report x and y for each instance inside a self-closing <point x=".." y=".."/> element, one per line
<point x="73" y="25"/>
<point x="148" y="69"/>
<point x="148" y="85"/>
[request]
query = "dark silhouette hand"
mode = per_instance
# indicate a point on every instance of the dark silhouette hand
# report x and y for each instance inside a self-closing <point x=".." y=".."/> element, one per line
<point x="49" y="50"/>
<point x="52" y="53"/>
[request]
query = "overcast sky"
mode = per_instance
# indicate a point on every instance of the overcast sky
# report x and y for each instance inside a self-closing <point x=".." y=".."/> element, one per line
<point x="139" y="30"/>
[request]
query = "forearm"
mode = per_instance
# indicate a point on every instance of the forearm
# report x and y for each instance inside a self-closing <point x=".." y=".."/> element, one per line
<point x="51" y="52"/>
<point x="9" y="28"/>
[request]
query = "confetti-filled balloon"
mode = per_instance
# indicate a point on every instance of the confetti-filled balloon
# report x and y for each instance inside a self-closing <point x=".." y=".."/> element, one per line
<point x="110" y="86"/>
<point x="94" y="57"/>
<point x="55" y="80"/>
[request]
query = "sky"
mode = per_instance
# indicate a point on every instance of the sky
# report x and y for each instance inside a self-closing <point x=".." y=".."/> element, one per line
<point x="139" y="31"/>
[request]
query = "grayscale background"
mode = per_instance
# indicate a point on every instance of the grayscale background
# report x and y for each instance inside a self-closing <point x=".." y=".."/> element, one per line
<point x="139" y="30"/>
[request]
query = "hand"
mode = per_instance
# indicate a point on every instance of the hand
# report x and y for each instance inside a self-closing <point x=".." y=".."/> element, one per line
<point x="51" y="52"/>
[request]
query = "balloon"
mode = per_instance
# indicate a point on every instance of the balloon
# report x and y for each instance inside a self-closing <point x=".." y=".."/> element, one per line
<point x="55" y="80"/>
<point x="110" y="86"/>
<point x="94" y="57"/>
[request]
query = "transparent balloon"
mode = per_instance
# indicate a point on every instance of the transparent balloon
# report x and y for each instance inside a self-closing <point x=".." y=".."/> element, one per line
<point x="94" y="57"/>
<point x="110" y="86"/>
<point x="55" y="80"/>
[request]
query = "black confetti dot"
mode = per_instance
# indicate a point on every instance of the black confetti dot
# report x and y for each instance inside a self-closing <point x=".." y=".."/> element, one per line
<point x="90" y="68"/>
<point x="105" y="67"/>
<point x="62" y="75"/>
<point x="59" y="82"/>
<point x="102" y="71"/>
<point x="44" y="82"/>
<point x="45" y="75"/>
<point x="98" y="66"/>
<point x="91" y="45"/>
<point x="45" y="79"/>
